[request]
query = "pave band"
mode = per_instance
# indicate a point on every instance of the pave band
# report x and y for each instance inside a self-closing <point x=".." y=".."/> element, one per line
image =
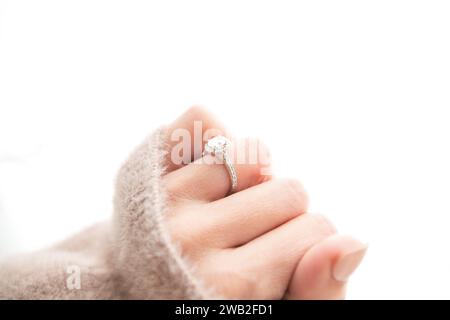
<point x="219" y="147"/>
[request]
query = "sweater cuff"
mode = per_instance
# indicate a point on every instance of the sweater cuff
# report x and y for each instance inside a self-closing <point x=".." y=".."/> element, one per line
<point x="148" y="262"/>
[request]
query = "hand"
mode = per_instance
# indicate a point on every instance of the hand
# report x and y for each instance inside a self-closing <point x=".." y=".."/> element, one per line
<point x="260" y="242"/>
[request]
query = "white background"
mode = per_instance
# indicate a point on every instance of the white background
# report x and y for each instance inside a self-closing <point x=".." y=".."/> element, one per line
<point x="353" y="98"/>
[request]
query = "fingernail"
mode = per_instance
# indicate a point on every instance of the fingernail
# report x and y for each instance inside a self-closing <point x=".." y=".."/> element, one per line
<point x="347" y="264"/>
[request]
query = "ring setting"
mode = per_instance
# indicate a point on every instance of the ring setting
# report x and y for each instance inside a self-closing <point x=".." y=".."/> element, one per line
<point x="220" y="147"/>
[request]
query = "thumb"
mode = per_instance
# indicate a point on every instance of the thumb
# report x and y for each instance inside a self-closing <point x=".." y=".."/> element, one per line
<point x="324" y="270"/>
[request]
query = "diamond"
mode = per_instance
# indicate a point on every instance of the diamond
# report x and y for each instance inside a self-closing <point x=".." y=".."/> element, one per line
<point x="217" y="145"/>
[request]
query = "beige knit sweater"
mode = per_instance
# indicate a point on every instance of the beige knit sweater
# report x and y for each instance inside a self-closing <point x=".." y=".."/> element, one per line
<point x="129" y="257"/>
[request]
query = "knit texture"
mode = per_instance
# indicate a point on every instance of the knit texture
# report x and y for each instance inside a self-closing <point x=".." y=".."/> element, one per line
<point x="129" y="257"/>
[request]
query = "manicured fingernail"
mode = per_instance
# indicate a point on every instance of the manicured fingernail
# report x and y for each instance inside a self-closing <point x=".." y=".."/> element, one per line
<point x="347" y="264"/>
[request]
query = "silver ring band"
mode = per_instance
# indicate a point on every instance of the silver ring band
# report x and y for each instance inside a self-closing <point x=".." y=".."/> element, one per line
<point x="219" y="146"/>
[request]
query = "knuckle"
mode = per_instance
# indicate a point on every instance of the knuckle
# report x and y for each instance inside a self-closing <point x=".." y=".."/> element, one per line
<point x="197" y="112"/>
<point x="296" y="194"/>
<point x="324" y="225"/>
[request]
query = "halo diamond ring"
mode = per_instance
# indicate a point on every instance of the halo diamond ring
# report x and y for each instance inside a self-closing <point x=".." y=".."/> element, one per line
<point x="220" y="147"/>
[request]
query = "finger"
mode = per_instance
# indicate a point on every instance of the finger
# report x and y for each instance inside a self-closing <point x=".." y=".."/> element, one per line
<point x="207" y="180"/>
<point x="323" y="271"/>
<point x="186" y="134"/>
<point x="243" y="216"/>
<point x="278" y="251"/>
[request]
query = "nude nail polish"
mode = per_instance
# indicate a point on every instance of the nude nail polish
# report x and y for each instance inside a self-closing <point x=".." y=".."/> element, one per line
<point x="347" y="264"/>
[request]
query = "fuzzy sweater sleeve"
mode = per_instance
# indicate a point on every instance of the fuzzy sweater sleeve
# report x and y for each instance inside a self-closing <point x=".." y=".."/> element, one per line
<point x="129" y="257"/>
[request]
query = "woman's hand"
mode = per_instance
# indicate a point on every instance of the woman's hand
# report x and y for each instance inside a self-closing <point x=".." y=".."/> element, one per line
<point x="260" y="242"/>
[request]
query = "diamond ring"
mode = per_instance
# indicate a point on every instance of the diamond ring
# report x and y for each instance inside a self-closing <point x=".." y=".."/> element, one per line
<point x="219" y="146"/>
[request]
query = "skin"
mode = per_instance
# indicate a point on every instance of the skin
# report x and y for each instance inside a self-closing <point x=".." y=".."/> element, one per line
<point x="260" y="242"/>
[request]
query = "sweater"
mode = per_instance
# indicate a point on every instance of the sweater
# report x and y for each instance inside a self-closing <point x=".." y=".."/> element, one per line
<point x="131" y="256"/>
